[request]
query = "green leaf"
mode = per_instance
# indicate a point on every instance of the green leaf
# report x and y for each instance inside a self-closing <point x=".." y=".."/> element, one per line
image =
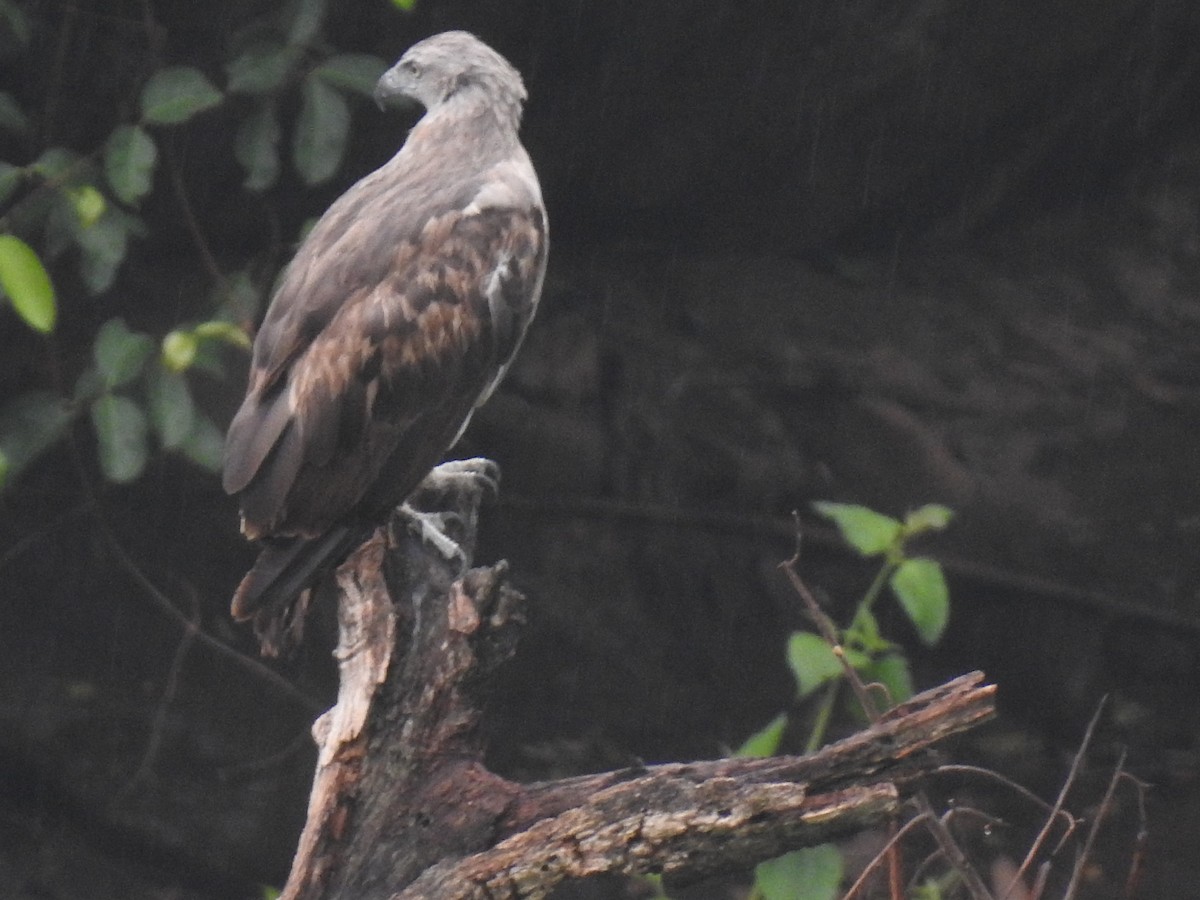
<point x="10" y="179"/>
<point x="209" y="359"/>
<point x="864" y="634"/>
<point x="88" y="386"/>
<point x="812" y="661"/>
<point x="130" y="155"/>
<point x="179" y="350"/>
<point x="813" y="873"/>
<point x="172" y="411"/>
<point x="405" y="5"/>
<point x="929" y="889"/>
<point x="12" y="117"/>
<point x="868" y="532"/>
<point x="891" y="670"/>
<point x="89" y="204"/>
<point x="16" y="22"/>
<point x="920" y="587"/>
<point x="120" y="428"/>
<point x="239" y="299"/>
<point x="29" y="425"/>
<point x="319" y="141"/>
<point x="765" y="741"/>
<point x="357" y="72"/>
<point x="226" y="332"/>
<point x="54" y="164"/>
<point x="930" y="517"/>
<point x="120" y="354"/>
<point x="3" y="469"/>
<point x="103" y="247"/>
<point x="205" y="445"/>
<point x="307" y="16"/>
<point x="256" y="148"/>
<point x="27" y="285"/>
<point x="175" y="94"/>
<point x="260" y="68"/>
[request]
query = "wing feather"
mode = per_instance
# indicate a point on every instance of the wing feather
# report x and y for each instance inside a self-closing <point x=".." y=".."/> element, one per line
<point x="252" y="434"/>
<point x="376" y="396"/>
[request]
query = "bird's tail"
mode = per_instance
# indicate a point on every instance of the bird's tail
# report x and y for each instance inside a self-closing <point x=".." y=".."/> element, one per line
<point x="287" y="566"/>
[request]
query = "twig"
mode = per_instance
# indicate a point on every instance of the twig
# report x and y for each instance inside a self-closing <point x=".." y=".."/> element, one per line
<point x="980" y="772"/>
<point x="953" y="853"/>
<point x="829" y="632"/>
<point x="164" y="604"/>
<point x="893" y="842"/>
<point x="1133" y="879"/>
<point x="189" y="218"/>
<point x="158" y="725"/>
<point x="941" y="835"/>
<point x="1097" y="822"/>
<point x="1060" y="801"/>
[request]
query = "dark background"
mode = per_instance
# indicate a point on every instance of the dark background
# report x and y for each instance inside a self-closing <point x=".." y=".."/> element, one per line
<point x="801" y="250"/>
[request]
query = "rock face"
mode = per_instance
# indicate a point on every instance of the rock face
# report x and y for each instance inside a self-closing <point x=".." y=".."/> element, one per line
<point x="793" y="126"/>
<point x="809" y="251"/>
<point x="813" y="252"/>
<point x="829" y="250"/>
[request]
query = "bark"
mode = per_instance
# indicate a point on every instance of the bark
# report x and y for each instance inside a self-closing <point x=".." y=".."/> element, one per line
<point x="402" y="805"/>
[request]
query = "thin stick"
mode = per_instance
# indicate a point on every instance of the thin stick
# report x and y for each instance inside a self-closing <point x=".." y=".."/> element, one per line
<point x="1060" y="802"/>
<point x="877" y="860"/>
<point x="1072" y="822"/>
<point x="1133" y="880"/>
<point x="1090" y="840"/>
<point x="945" y="840"/>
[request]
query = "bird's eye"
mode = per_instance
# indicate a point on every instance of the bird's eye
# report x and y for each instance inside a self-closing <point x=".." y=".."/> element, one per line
<point x="411" y="67"/>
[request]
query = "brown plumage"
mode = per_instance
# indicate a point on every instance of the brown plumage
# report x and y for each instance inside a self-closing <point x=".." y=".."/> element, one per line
<point x="397" y="318"/>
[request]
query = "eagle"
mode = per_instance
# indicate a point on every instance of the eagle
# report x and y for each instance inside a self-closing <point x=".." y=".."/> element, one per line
<point x="396" y="318"/>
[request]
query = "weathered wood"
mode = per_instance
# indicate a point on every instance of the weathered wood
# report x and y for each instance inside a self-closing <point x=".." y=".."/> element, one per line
<point x="695" y="819"/>
<point x="402" y="805"/>
<point x="660" y="823"/>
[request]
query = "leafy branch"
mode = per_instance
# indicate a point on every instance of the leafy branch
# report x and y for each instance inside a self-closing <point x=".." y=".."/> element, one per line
<point x="85" y="205"/>
<point x="823" y="662"/>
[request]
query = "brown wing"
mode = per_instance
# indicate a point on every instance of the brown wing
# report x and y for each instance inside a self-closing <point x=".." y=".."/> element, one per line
<point x="349" y="252"/>
<point x="349" y="416"/>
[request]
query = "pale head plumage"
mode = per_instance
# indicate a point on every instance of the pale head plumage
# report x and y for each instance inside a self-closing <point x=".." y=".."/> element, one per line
<point x="453" y="65"/>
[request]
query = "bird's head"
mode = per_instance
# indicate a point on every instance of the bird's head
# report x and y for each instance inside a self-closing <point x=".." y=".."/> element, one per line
<point x="449" y="65"/>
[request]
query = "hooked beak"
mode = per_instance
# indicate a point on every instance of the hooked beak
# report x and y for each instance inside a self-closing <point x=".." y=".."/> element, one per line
<point x="393" y="90"/>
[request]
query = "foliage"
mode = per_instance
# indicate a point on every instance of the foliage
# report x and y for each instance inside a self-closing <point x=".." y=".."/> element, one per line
<point x="919" y="587"/>
<point x="25" y="283"/>
<point x="811" y="873"/>
<point x="69" y="215"/>
<point x="819" y="667"/>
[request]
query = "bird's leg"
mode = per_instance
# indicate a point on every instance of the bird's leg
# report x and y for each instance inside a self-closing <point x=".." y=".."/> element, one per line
<point x="459" y="485"/>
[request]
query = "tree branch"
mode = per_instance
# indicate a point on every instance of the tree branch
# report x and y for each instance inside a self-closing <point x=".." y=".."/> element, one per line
<point x="402" y="805"/>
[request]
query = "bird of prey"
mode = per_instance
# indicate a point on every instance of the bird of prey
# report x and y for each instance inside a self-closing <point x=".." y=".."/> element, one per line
<point x="397" y="317"/>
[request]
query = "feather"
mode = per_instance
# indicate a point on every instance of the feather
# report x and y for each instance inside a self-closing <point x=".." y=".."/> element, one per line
<point x="397" y="317"/>
<point x="286" y="567"/>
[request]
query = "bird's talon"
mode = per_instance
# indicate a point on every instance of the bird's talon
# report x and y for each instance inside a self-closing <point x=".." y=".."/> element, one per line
<point x="430" y="528"/>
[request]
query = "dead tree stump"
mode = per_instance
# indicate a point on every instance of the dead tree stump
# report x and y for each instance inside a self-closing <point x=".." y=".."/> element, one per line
<point x="402" y="806"/>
